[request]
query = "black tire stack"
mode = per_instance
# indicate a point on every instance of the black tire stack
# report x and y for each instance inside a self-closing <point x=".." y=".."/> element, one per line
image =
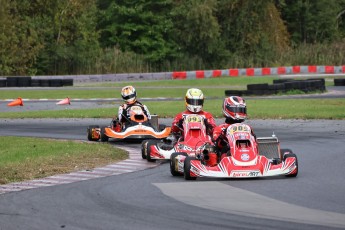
<point x="34" y="82"/>
<point x="339" y="82"/>
<point x="280" y="86"/>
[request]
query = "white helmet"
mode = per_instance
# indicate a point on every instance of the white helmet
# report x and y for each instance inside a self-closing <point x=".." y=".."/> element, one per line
<point x="129" y="95"/>
<point x="194" y="100"/>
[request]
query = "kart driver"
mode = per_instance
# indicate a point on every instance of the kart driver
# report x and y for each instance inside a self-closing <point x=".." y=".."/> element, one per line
<point x="129" y="95"/>
<point x="234" y="111"/>
<point x="194" y="100"/>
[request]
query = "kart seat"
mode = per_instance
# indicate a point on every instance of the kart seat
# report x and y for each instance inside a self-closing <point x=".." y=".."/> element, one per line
<point x="242" y="143"/>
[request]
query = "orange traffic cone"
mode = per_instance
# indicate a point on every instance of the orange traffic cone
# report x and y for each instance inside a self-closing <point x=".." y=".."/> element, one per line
<point x="65" y="101"/>
<point x="16" y="102"/>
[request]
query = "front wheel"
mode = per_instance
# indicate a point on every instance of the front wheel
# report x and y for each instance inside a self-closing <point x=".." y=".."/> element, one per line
<point x="295" y="172"/>
<point x="187" y="167"/>
<point x="173" y="164"/>
<point x="144" y="149"/>
<point x="104" y="137"/>
<point x="148" y="150"/>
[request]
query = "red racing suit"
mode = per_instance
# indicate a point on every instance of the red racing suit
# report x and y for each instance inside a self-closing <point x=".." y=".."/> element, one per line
<point x="177" y="122"/>
<point x="177" y="130"/>
<point x="219" y="137"/>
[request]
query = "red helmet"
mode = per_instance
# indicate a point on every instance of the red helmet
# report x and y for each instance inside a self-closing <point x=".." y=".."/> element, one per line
<point x="234" y="108"/>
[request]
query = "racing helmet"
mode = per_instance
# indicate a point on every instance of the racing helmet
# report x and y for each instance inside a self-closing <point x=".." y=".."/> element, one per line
<point x="129" y="95"/>
<point x="235" y="109"/>
<point x="194" y="100"/>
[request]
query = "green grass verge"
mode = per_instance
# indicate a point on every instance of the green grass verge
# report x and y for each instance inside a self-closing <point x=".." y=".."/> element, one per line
<point x="25" y="158"/>
<point x="257" y="109"/>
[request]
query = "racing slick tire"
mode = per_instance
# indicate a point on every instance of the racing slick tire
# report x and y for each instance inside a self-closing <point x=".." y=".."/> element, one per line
<point x="143" y="148"/>
<point x="187" y="167"/>
<point x="148" y="150"/>
<point x="104" y="137"/>
<point x="294" y="174"/>
<point x="89" y="132"/>
<point x="173" y="163"/>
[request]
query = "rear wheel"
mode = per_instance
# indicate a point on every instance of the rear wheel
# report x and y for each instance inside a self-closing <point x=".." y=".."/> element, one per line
<point x="294" y="173"/>
<point x="187" y="167"/>
<point x="90" y="131"/>
<point x="143" y="148"/>
<point x="148" y="150"/>
<point x="104" y="137"/>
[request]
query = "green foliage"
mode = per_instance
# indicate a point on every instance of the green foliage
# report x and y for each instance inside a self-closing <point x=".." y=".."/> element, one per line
<point x="45" y="37"/>
<point x="254" y="30"/>
<point x="313" y="21"/>
<point x="143" y="27"/>
<point x="19" y="42"/>
<point x="198" y="32"/>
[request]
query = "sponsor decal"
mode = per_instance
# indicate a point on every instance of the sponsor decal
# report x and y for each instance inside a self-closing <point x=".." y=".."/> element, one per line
<point x="245" y="174"/>
<point x="140" y="131"/>
<point x="245" y="157"/>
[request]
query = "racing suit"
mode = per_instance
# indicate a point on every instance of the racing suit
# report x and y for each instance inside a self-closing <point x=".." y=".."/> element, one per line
<point x="219" y="137"/>
<point x="177" y="130"/>
<point x="123" y="116"/>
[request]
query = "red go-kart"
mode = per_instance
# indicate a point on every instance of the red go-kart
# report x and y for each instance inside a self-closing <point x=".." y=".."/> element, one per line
<point x="193" y="141"/>
<point x="248" y="157"/>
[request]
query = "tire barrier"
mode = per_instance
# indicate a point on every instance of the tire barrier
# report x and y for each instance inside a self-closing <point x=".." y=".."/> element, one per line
<point x="339" y="82"/>
<point x="34" y="82"/>
<point x="280" y="86"/>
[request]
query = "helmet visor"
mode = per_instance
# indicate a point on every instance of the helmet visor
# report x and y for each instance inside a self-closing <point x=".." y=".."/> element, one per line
<point x="236" y="109"/>
<point x="128" y="96"/>
<point x="195" y="101"/>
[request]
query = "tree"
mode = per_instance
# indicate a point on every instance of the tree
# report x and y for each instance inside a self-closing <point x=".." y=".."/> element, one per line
<point x="313" y="21"/>
<point x="253" y="30"/>
<point x="18" y="40"/>
<point x="70" y="36"/>
<point x="143" y="27"/>
<point x="197" y="30"/>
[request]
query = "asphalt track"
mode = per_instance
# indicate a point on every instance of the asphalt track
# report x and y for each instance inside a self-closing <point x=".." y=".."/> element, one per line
<point x="152" y="199"/>
<point x="135" y="194"/>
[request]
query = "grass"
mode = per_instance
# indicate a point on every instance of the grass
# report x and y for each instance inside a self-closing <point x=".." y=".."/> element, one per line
<point x="257" y="109"/>
<point x="25" y="158"/>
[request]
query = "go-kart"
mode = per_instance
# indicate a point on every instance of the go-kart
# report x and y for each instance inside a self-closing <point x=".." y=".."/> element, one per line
<point x="248" y="157"/>
<point x="137" y="127"/>
<point x="194" y="140"/>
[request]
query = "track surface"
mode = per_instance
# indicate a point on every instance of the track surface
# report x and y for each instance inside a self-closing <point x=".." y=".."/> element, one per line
<point x="153" y="199"/>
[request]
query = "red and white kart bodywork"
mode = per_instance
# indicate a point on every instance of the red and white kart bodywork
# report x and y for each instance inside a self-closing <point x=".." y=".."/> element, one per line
<point x="250" y="157"/>
<point x="193" y="141"/>
<point x="137" y="127"/>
